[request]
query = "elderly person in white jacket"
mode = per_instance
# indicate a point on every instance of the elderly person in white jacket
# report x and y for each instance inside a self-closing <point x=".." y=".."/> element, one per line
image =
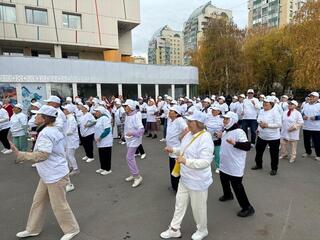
<point x="195" y="156"/>
<point x="72" y="138"/>
<point x="4" y="129"/>
<point x="19" y="128"/>
<point x="269" y="121"/>
<point x="291" y="123"/>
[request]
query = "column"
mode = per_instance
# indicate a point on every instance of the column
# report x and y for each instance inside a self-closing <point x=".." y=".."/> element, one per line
<point x="139" y="90"/>
<point x="99" y="90"/>
<point x="48" y="90"/>
<point x="18" y="91"/>
<point x="172" y="91"/>
<point x="120" y="89"/>
<point x="27" y="51"/>
<point x="57" y="51"/>
<point x="188" y="90"/>
<point x="74" y="90"/>
<point x="156" y="90"/>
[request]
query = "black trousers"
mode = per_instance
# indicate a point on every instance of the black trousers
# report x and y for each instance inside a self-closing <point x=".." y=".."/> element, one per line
<point x="87" y="143"/>
<point x="315" y="137"/>
<point x="174" y="180"/>
<point x="105" y="158"/>
<point x="4" y="138"/>
<point x="274" y="152"/>
<point x="144" y="123"/>
<point x="237" y="186"/>
<point x="140" y="150"/>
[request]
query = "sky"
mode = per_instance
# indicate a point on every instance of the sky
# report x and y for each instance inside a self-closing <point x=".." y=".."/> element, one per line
<point x="158" y="13"/>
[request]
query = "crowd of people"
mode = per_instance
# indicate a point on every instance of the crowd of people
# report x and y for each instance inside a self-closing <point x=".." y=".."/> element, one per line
<point x="196" y="132"/>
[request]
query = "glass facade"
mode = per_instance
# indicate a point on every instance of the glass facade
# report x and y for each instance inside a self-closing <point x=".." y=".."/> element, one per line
<point x="71" y="21"/>
<point x="193" y="90"/>
<point x="180" y="90"/>
<point x="61" y="90"/>
<point x="7" y="13"/>
<point x="109" y="90"/>
<point x="130" y="91"/>
<point x="165" y="89"/>
<point x="148" y="90"/>
<point x="37" y="16"/>
<point x="86" y="90"/>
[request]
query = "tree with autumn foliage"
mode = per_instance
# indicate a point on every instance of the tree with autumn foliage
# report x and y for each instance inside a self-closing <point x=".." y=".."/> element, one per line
<point x="218" y="57"/>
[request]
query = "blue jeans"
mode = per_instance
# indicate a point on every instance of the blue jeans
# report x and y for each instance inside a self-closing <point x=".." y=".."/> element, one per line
<point x="253" y="125"/>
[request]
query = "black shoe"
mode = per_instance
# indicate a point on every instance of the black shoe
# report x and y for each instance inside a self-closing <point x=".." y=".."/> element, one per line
<point x="154" y="136"/>
<point x="273" y="172"/>
<point x="224" y="198"/>
<point x="150" y="135"/>
<point x="246" y="213"/>
<point x="256" y="167"/>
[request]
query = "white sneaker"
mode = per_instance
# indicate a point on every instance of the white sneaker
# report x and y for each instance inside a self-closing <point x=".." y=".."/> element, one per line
<point x="282" y="157"/>
<point x="138" y="154"/>
<point x="137" y="181"/>
<point x="143" y="156"/>
<point x="70" y="187"/>
<point x="217" y="171"/>
<point x="33" y="165"/>
<point x="292" y="160"/>
<point x="306" y="155"/>
<point x="99" y="171"/>
<point x="199" y="235"/>
<point x="171" y="234"/>
<point x="74" y="172"/>
<point x="162" y="140"/>
<point x="7" y="151"/>
<point x="85" y="158"/>
<point x="89" y="160"/>
<point x="252" y="145"/>
<point x="317" y="159"/>
<point x="3" y="150"/>
<point x="123" y="143"/>
<point x="104" y="172"/>
<point x="129" y="179"/>
<point x="69" y="236"/>
<point x="25" y="234"/>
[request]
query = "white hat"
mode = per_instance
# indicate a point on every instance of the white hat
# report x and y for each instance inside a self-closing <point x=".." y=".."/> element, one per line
<point x="217" y="108"/>
<point x="130" y="103"/>
<point x="294" y="102"/>
<point x="285" y="96"/>
<point x="262" y="96"/>
<point x="169" y="98"/>
<point x="79" y="103"/>
<point x="213" y="97"/>
<point x="54" y="99"/>
<point x="222" y="97"/>
<point x="269" y="99"/>
<point x="181" y="99"/>
<point x="242" y="96"/>
<point x="273" y="94"/>
<point x="250" y="91"/>
<point x="86" y="107"/>
<point x="232" y="115"/>
<point x="101" y="110"/>
<point x="47" y="110"/>
<point x="235" y="97"/>
<point x="77" y="100"/>
<point x="175" y="108"/>
<point x="68" y="107"/>
<point x="173" y="102"/>
<point x="207" y="100"/>
<point x="314" y="94"/>
<point x="36" y="104"/>
<point x="69" y="99"/>
<point x="159" y="97"/>
<point x="18" y="105"/>
<point x="117" y="101"/>
<point x="197" y="116"/>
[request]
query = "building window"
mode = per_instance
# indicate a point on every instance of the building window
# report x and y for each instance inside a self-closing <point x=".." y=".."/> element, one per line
<point x="71" y="20"/>
<point x="7" y="13"/>
<point x="37" y="16"/>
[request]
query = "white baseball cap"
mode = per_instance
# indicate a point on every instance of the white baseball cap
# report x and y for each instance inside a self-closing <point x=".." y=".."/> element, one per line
<point x="235" y="97"/>
<point x="262" y="96"/>
<point x="197" y="116"/>
<point x="173" y="102"/>
<point x="18" y="105"/>
<point x="250" y="91"/>
<point x="36" y="104"/>
<point x="232" y="115"/>
<point x="68" y="107"/>
<point x="176" y="109"/>
<point x="294" y="102"/>
<point x="285" y="96"/>
<point x="207" y="100"/>
<point x="101" y="110"/>
<point x="69" y="99"/>
<point x="242" y="96"/>
<point x="54" y="99"/>
<point x="314" y="94"/>
<point x="217" y="108"/>
<point x="130" y="103"/>
<point x="213" y="97"/>
<point x="222" y="97"/>
<point x="47" y="110"/>
<point x="269" y="99"/>
<point x="86" y="107"/>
